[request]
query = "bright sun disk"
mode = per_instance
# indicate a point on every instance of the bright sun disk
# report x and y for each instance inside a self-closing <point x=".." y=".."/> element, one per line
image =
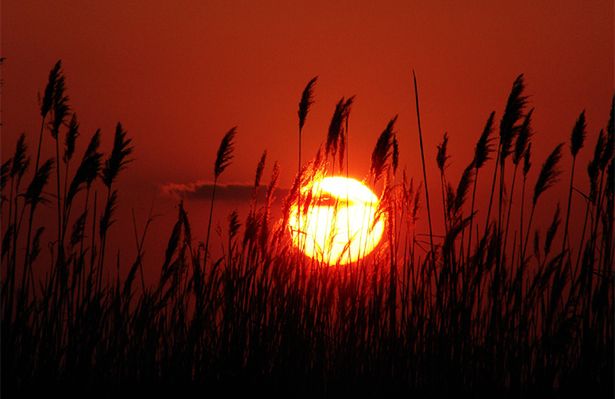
<point x="339" y="221"/>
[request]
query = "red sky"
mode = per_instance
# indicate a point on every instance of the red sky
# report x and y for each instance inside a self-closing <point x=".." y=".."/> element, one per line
<point x="179" y="74"/>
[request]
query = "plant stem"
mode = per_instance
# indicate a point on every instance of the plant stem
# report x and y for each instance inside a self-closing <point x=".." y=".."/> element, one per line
<point x="568" y="207"/>
<point x="418" y="118"/>
<point x="211" y="212"/>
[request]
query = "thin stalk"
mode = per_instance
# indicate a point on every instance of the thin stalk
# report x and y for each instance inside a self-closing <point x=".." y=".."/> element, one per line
<point x="211" y="212"/>
<point x="81" y="257"/>
<point x="527" y="234"/>
<point x="501" y="200"/>
<point x="347" y="198"/>
<point x="495" y="173"/>
<point x="510" y="203"/>
<point x="472" y="212"/>
<point x="10" y="261"/>
<point x="93" y="243"/>
<point x="59" y="203"/>
<point x="444" y="205"/>
<point x="574" y="159"/>
<point x="418" y="118"/>
<point x="103" y="245"/>
<point x="521" y="218"/>
<point x="27" y="255"/>
<point x="299" y="212"/>
<point x="40" y="143"/>
<point x="576" y="267"/>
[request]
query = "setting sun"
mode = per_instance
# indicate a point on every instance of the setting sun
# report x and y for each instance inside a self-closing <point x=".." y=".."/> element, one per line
<point x="339" y="222"/>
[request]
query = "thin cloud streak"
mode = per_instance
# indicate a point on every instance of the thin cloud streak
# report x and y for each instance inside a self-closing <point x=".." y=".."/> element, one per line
<point x="202" y="190"/>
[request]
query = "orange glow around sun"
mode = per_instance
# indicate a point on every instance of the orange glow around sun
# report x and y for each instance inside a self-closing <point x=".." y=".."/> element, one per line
<point x="339" y="222"/>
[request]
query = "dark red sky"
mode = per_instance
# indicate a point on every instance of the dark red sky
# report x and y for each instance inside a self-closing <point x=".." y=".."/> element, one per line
<point x="178" y="74"/>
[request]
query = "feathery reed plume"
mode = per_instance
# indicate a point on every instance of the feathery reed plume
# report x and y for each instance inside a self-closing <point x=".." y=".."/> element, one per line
<point x="508" y="131"/>
<point x="484" y="145"/>
<point x="524" y="135"/>
<point x="593" y="168"/>
<point x="225" y="152"/>
<point x="106" y="219"/>
<point x="88" y="168"/>
<point x="343" y="138"/>
<point x="418" y="120"/>
<point x="47" y="103"/>
<point x="523" y="138"/>
<point x="450" y="200"/>
<point x="224" y="157"/>
<point x="172" y="245"/>
<point x="259" y="169"/>
<point x="233" y="228"/>
<point x="113" y="165"/>
<point x="5" y="170"/>
<point x="60" y="106"/>
<point x="577" y="138"/>
<point x="33" y="194"/>
<point x="513" y="112"/>
<point x="482" y="150"/>
<point x="251" y="228"/>
<point x="335" y="128"/>
<point x="273" y="183"/>
<point x="307" y="99"/>
<point x="549" y="173"/>
<point x="383" y="150"/>
<point x="36" y="244"/>
<point x="527" y="163"/>
<point x="462" y="188"/>
<point x="552" y="230"/>
<point x="69" y="150"/>
<point x="20" y="159"/>
<point x="119" y="156"/>
<point x="60" y="113"/>
<point x="78" y="229"/>
<point x="416" y="203"/>
<point x="48" y="97"/>
<point x="395" y="154"/>
<point x="547" y="177"/>
<point x="233" y="224"/>
<point x="70" y="139"/>
<point x="86" y="173"/>
<point x="441" y="156"/>
<point x="593" y="171"/>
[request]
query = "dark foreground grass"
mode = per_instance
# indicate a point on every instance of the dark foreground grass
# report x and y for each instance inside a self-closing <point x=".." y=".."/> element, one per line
<point x="498" y="310"/>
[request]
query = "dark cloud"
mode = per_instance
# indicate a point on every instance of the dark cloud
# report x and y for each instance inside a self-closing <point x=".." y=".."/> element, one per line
<point x="200" y="190"/>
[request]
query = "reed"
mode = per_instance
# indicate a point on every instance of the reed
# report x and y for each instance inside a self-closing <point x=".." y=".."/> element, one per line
<point x="223" y="160"/>
<point x="482" y="151"/>
<point x="577" y="138"/>
<point x="412" y="317"/>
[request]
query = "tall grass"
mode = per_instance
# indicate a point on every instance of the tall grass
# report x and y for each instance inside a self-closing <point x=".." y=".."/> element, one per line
<point x="436" y="318"/>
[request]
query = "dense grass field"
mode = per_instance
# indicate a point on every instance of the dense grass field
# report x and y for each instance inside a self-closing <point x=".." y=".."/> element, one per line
<point x="506" y="306"/>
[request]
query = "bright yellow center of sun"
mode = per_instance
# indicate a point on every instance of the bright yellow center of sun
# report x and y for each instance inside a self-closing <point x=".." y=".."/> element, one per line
<point x="338" y="223"/>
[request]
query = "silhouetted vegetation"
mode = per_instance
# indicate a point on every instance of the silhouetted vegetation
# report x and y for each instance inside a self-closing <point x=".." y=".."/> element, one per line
<point x="476" y="311"/>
